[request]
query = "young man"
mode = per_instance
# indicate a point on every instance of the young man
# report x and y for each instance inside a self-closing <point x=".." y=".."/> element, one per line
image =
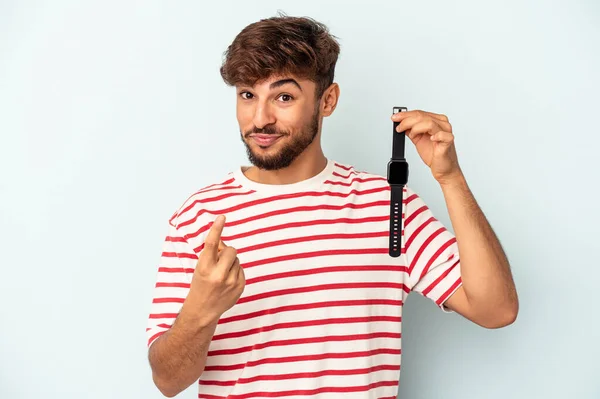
<point x="276" y="281"/>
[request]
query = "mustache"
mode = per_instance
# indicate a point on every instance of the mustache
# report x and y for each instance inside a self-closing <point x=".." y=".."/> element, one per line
<point x="265" y="130"/>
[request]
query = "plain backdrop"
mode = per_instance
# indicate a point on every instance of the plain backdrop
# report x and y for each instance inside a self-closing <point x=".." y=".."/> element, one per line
<point x="113" y="112"/>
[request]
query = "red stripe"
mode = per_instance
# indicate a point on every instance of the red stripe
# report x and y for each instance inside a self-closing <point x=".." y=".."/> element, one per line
<point x="345" y="167"/>
<point x="168" y="300"/>
<point x="440" y="278"/>
<point x="306" y="306"/>
<point x="414" y="214"/>
<point x="436" y="255"/>
<point x="304" y="358"/>
<point x="172" y="285"/>
<point x="276" y="198"/>
<point x="329" y="269"/>
<point x="163" y="316"/>
<point x="175" y="239"/>
<point x="290" y="342"/>
<point x="354" y="180"/>
<point x="179" y="255"/>
<point x="224" y="187"/>
<point x="449" y="291"/>
<point x="307" y="223"/>
<point x="202" y="190"/>
<point x="418" y="230"/>
<point x="328" y="252"/>
<point x="295" y="240"/>
<point x="306" y="392"/>
<point x="307" y="323"/>
<point x="410" y="199"/>
<point x="285" y="211"/>
<point x="228" y="181"/>
<point x="316" y="374"/>
<point x="164" y="269"/>
<point x="342" y="176"/>
<point x="211" y="199"/>
<point x="423" y="247"/>
<point x="322" y="287"/>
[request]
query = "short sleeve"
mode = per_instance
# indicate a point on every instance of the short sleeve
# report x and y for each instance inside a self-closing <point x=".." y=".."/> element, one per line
<point x="431" y="251"/>
<point x="175" y="270"/>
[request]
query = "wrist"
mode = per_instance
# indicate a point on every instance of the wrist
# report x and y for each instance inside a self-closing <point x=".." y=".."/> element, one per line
<point x="454" y="181"/>
<point x="195" y="315"/>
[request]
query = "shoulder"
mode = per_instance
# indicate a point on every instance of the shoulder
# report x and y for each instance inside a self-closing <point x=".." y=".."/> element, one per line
<point x="348" y="174"/>
<point x="197" y="206"/>
<point x="368" y="181"/>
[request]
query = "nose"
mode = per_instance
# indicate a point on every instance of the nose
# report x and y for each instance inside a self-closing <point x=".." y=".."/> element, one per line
<point x="263" y="116"/>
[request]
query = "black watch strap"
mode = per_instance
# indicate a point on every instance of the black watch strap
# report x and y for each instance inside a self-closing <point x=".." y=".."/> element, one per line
<point x="398" y="144"/>
<point x="397" y="193"/>
<point x="395" y="246"/>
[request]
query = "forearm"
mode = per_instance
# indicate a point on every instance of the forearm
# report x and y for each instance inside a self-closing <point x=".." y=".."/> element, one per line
<point x="485" y="270"/>
<point x="179" y="355"/>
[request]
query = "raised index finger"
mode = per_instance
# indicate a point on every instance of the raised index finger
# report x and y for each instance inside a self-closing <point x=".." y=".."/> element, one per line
<point x="213" y="238"/>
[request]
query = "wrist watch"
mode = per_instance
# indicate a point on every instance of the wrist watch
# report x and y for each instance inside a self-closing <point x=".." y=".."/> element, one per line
<point x="397" y="177"/>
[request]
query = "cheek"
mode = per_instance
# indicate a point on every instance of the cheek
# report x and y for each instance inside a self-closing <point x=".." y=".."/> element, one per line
<point x="293" y="120"/>
<point x="244" y="119"/>
<point x="241" y="114"/>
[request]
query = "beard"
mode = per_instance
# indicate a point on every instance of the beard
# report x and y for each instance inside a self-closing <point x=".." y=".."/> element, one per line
<point x="290" y="151"/>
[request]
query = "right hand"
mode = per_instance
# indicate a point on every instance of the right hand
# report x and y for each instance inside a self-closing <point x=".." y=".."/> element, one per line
<point x="218" y="280"/>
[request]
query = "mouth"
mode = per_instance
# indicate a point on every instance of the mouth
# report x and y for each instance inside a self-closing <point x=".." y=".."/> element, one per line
<point x="265" y="140"/>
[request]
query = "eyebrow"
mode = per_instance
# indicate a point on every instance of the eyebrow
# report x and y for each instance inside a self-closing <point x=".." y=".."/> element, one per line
<point x="282" y="82"/>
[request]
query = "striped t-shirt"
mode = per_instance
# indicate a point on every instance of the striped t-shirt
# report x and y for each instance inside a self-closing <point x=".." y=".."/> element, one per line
<point x="321" y="312"/>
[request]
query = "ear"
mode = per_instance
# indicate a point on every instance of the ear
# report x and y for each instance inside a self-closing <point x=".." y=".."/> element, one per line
<point x="329" y="99"/>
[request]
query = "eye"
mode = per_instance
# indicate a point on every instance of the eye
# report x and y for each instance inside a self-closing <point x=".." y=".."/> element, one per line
<point x="246" y="95"/>
<point x="286" y="98"/>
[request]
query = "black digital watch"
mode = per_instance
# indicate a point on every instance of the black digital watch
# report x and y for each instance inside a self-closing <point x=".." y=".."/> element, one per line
<point x="397" y="177"/>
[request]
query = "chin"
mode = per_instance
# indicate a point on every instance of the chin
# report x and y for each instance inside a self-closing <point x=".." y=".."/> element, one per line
<point x="271" y="149"/>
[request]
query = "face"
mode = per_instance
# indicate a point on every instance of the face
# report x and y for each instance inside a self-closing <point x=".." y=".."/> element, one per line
<point x="279" y="119"/>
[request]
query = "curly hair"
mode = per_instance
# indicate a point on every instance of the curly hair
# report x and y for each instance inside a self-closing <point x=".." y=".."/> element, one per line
<point x="282" y="45"/>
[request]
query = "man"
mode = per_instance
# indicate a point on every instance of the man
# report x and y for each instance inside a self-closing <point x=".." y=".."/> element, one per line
<point x="277" y="281"/>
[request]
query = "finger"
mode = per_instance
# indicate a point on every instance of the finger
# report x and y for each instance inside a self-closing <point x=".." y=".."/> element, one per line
<point x="237" y="278"/>
<point x="439" y="117"/>
<point x="213" y="238"/>
<point x="428" y="126"/>
<point x="227" y="258"/>
<point x="400" y="116"/>
<point x="407" y="124"/>
<point x="233" y="272"/>
<point x="445" y="126"/>
<point x="241" y="276"/>
<point x="236" y="263"/>
<point x="443" y="119"/>
<point x="443" y="137"/>
<point x="222" y="245"/>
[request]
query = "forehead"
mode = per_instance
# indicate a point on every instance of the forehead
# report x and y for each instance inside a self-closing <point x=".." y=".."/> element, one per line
<point x="276" y="81"/>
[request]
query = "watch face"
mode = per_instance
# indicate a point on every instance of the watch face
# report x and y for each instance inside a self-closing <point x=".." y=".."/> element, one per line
<point x="397" y="172"/>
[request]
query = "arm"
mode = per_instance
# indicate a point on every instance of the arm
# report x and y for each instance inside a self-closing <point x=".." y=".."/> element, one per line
<point x="178" y="352"/>
<point x="178" y="356"/>
<point x="488" y="296"/>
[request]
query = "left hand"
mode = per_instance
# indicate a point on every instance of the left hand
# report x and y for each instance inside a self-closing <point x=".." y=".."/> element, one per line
<point x="432" y="136"/>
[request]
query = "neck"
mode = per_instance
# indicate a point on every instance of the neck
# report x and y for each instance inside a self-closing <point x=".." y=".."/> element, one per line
<point x="304" y="167"/>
